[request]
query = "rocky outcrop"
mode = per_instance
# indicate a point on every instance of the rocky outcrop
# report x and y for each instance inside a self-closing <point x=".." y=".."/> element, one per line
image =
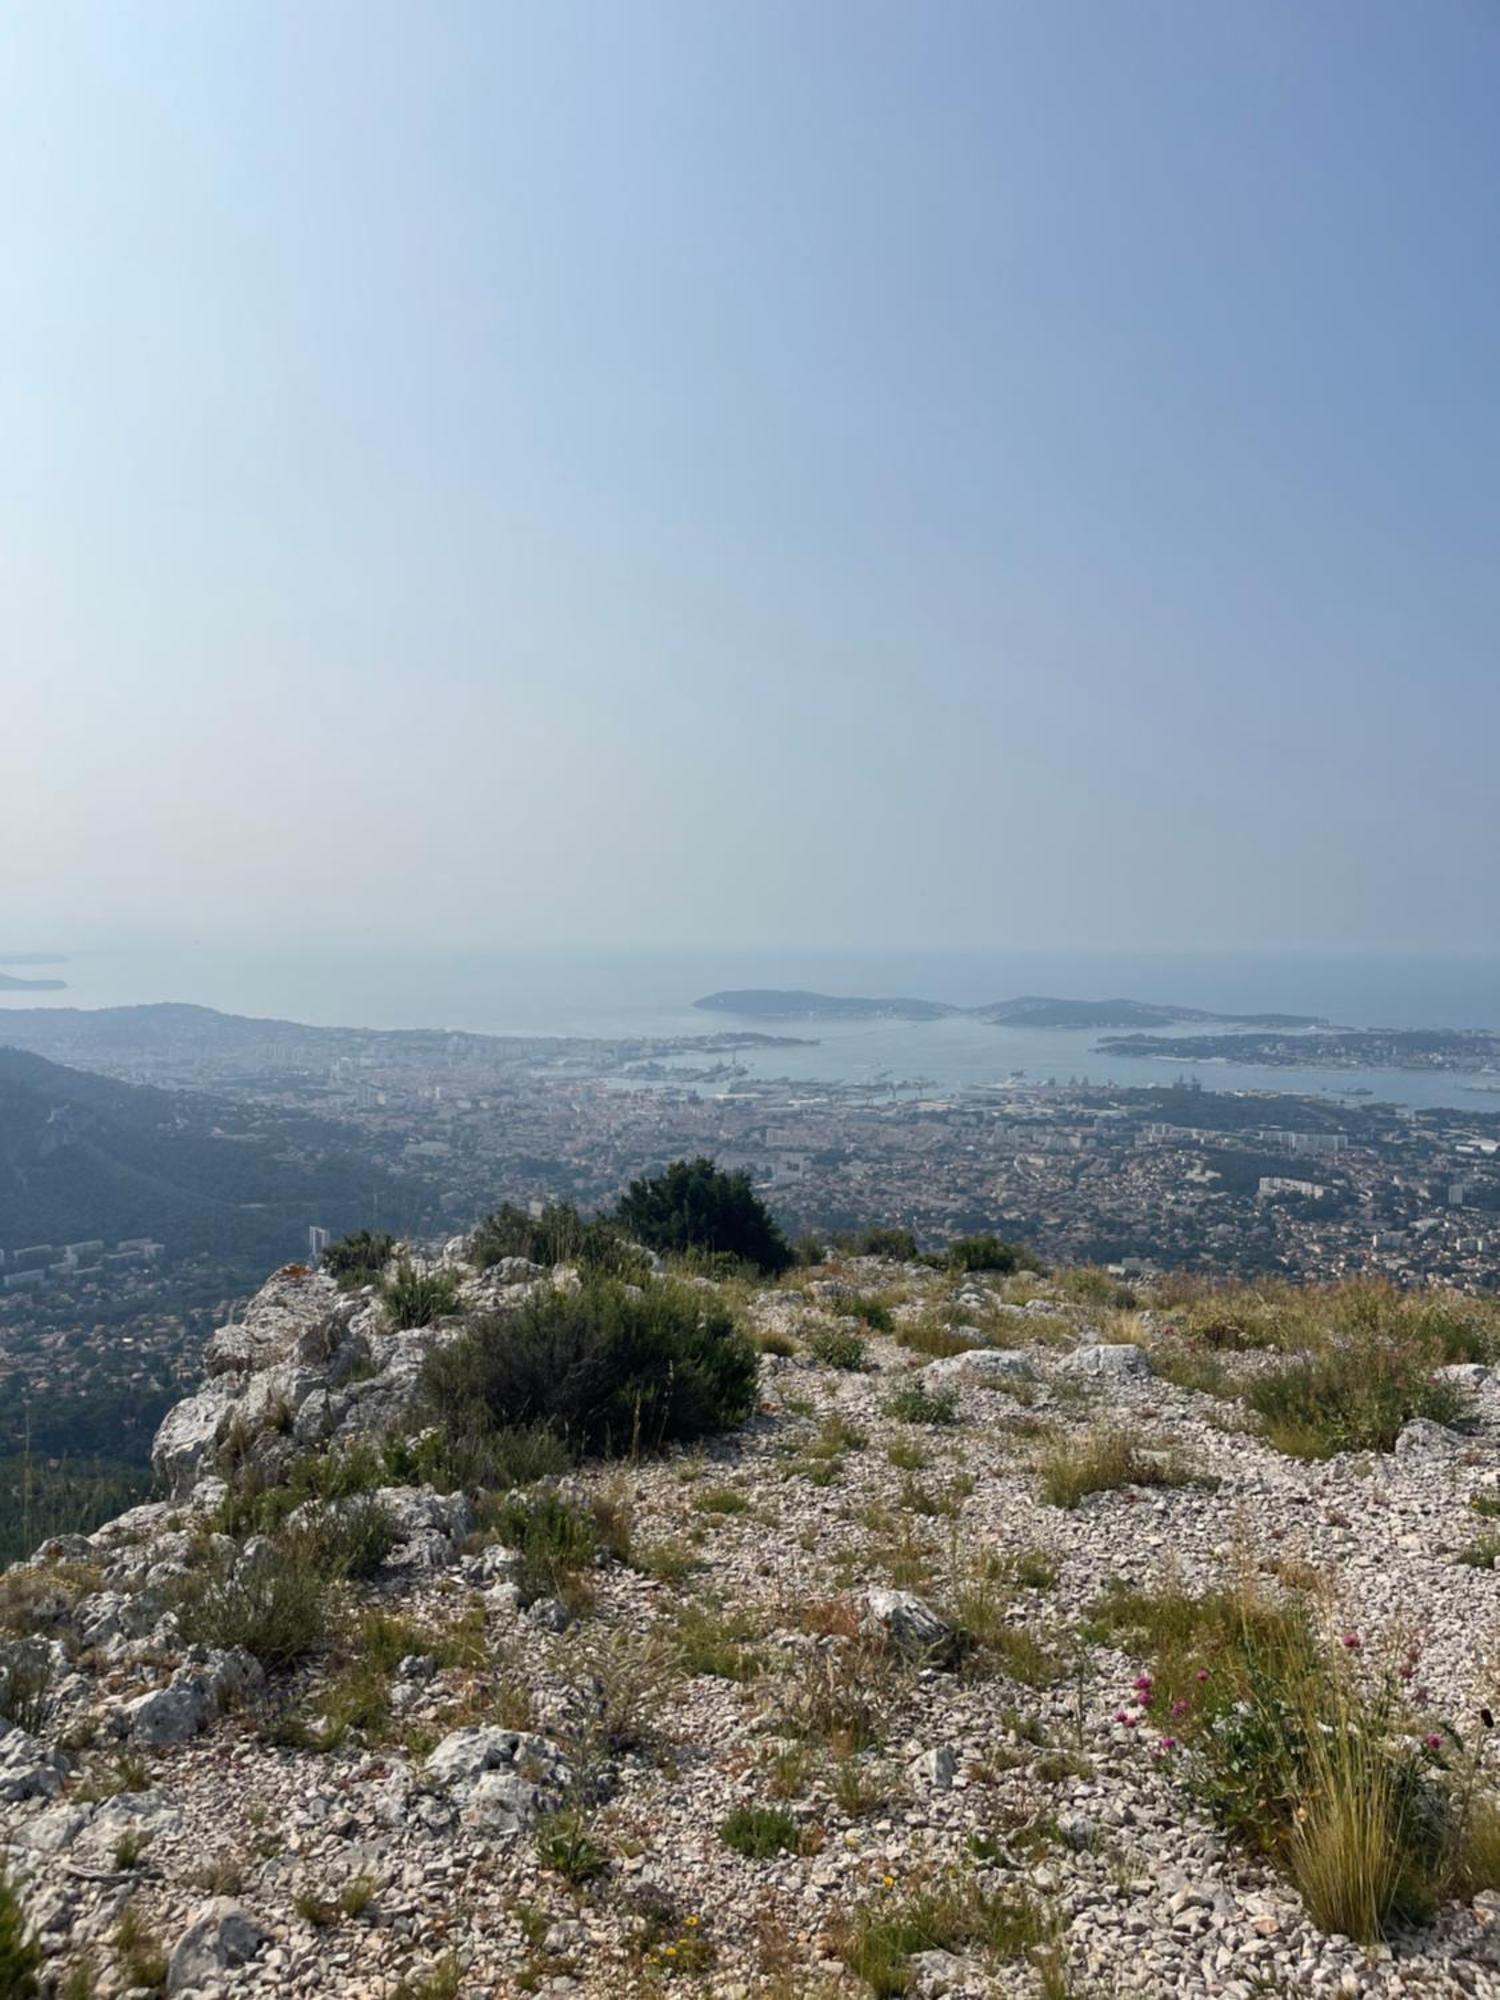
<point x="309" y="1365"/>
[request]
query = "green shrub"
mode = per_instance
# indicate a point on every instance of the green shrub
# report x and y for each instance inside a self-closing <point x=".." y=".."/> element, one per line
<point x="881" y="1939"/>
<point x="1305" y="1754"/>
<point x="27" y="1697"/>
<point x="553" y="1538"/>
<point x="257" y="1503"/>
<point x="915" y="1403"/>
<point x="359" y="1259"/>
<point x="348" y="1538"/>
<point x="988" y="1253"/>
<point x="875" y="1313"/>
<point x="418" y="1298"/>
<point x="1353" y="1397"/>
<point x="275" y="1606"/>
<point x="565" y="1845"/>
<point x="1071" y="1470"/>
<point x="559" y="1235"/>
<point x="608" y="1369"/>
<point x="20" y="1956"/>
<point x="808" y="1251"/>
<point x="694" y="1205"/>
<point x="838" y="1347"/>
<point x="899" y="1246"/>
<point x="472" y="1460"/>
<point x="759" y="1832"/>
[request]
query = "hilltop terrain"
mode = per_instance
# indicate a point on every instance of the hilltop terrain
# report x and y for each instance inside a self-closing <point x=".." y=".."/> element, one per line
<point x="982" y="1632"/>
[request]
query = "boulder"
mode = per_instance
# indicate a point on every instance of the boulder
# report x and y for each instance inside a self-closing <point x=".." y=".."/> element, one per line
<point x="499" y="1779"/>
<point x="1422" y="1438"/>
<point x="28" y="1769"/>
<point x="221" y="1936"/>
<point x="908" y="1624"/>
<point x="1120" y="1360"/>
<point x="987" y="1367"/>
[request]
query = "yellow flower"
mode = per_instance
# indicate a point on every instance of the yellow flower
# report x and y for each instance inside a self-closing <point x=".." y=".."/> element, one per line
<point x="888" y="1881"/>
<point x="690" y="1920"/>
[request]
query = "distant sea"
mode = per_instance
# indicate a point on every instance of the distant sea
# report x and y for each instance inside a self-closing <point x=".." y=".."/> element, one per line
<point x="612" y="994"/>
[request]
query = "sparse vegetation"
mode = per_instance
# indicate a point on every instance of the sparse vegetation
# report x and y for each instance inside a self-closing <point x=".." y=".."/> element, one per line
<point x="416" y="1297"/>
<point x="609" y="1369"/>
<point x="1354" y="1397"/>
<point x="20" y="1956"/>
<point x="880" y="1940"/>
<point x="1072" y="1469"/>
<point x="759" y="1832"/>
<point x="914" y="1403"/>
<point x="1305" y="1752"/>
<point x="838" y="1347"/>
<point x="359" y="1259"/>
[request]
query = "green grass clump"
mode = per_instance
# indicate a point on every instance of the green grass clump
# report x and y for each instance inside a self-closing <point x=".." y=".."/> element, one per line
<point x="359" y="1259"/>
<point x="20" y="1955"/>
<point x="566" y="1846"/>
<point x="838" y="1347"/>
<point x="872" y="1312"/>
<point x="713" y="1642"/>
<point x="277" y="1606"/>
<point x="988" y="1253"/>
<point x="554" y="1539"/>
<point x="1309" y="1755"/>
<point x="1352" y="1398"/>
<point x="1072" y="1469"/>
<point x="418" y="1298"/>
<point x="1482" y="1553"/>
<point x="609" y="1369"/>
<point x="915" y="1403"/>
<point x="881" y="1939"/>
<point x="759" y="1832"/>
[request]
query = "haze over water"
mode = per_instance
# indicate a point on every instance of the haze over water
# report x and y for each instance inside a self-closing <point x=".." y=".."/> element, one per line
<point x="651" y="993"/>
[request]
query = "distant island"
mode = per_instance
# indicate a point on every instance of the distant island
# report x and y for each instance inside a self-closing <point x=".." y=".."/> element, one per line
<point x="9" y="983"/>
<point x="1031" y="1010"/>
<point x="1442" y="1049"/>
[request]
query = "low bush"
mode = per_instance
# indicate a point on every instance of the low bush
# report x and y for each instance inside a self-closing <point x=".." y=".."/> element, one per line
<point x="759" y="1832"/>
<point x="838" y="1347"/>
<point x="416" y="1297"/>
<point x="608" y="1369"/>
<point x="359" y="1259"/>
<point x="988" y="1253"/>
<point x="559" y="1235"/>
<point x="880" y="1940"/>
<point x="899" y="1246"/>
<point x="27" y="1694"/>
<point x="555" y="1540"/>
<point x="873" y="1313"/>
<point x="1304" y="1750"/>
<point x="474" y="1460"/>
<point x="915" y="1403"/>
<point x="1353" y="1397"/>
<point x="565" y="1845"/>
<point x="275" y="1605"/>
<point x="1073" y="1468"/>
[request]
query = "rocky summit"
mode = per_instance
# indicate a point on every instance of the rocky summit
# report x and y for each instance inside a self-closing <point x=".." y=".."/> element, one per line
<point x="1022" y="1635"/>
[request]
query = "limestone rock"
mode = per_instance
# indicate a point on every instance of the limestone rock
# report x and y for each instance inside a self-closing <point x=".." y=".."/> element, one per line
<point x="221" y="1936"/>
<point x="1120" y="1360"/>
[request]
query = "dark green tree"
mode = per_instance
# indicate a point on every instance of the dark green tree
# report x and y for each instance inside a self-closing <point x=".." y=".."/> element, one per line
<point x="694" y="1205"/>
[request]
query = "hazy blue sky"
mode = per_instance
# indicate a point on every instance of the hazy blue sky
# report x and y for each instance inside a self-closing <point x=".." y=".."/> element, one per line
<point x="814" y="472"/>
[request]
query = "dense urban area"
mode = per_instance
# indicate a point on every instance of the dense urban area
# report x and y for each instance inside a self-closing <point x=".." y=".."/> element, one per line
<point x="299" y="1128"/>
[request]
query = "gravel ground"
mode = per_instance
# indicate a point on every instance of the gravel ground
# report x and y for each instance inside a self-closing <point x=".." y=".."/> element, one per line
<point x="771" y="1541"/>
